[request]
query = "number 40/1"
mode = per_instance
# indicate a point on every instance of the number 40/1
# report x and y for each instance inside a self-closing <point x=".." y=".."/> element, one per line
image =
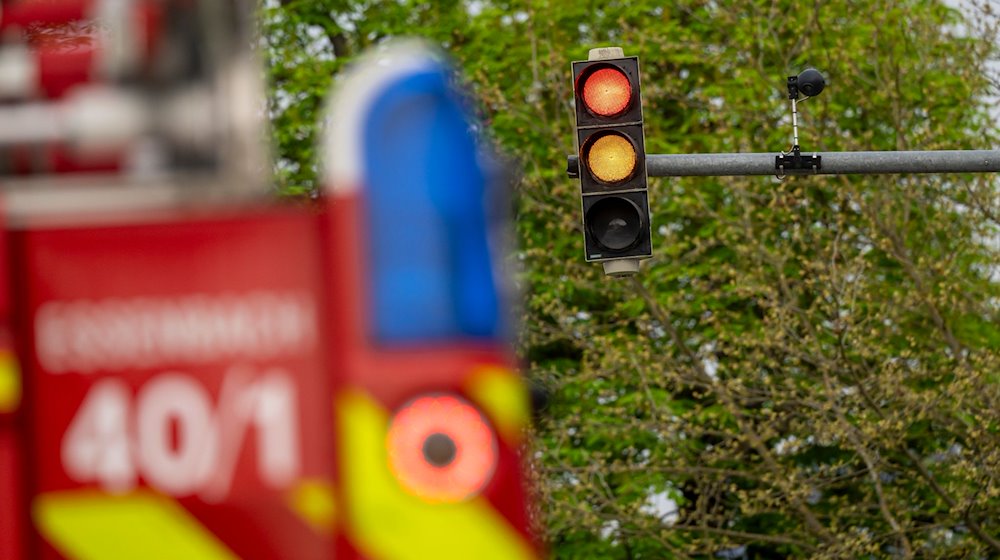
<point x="171" y="436"/>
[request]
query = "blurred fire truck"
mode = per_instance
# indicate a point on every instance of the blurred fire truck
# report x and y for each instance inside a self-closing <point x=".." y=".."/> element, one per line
<point x="190" y="369"/>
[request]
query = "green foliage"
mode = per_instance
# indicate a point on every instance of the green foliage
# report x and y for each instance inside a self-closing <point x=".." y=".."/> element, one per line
<point x="805" y="368"/>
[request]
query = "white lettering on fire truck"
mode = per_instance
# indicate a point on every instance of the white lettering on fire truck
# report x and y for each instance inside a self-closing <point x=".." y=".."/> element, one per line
<point x="180" y="440"/>
<point x="85" y="336"/>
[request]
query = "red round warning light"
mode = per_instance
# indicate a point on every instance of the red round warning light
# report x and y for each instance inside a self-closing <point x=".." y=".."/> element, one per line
<point x="607" y="92"/>
<point x="441" y="448"/>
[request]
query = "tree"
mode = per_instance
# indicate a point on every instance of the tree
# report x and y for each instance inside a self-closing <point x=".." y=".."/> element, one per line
<point x="807" y="367"/>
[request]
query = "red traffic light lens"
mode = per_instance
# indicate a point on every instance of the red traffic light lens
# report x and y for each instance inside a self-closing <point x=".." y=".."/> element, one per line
<point x="607" y="92"/>
<point x="441" y="448"/>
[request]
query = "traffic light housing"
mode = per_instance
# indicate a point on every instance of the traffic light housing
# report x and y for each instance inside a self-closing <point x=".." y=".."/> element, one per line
<point x="612" y="160"/>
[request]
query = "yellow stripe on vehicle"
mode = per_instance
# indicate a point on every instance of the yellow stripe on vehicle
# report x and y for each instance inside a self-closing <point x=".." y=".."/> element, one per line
<point x="503" y="396"/>
<point x="313" y="500"/>
<point x="387" y="523"/>
<point x="10" y="382"/>
<point x="90" y="525"/>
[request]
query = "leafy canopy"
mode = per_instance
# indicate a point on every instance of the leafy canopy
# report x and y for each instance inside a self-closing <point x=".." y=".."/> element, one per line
<point x="806" y="367"/>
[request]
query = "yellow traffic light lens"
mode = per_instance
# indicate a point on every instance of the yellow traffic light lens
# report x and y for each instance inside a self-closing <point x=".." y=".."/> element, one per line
<point x="611" y="158"/>
<point x="607" y="92"/>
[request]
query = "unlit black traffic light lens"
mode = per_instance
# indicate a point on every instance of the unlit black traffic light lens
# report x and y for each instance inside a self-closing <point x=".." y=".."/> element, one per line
<point x="615" y="223"/>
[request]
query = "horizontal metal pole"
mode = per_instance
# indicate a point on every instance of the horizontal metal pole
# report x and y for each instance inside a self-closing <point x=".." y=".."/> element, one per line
<point x="833" y="163"/>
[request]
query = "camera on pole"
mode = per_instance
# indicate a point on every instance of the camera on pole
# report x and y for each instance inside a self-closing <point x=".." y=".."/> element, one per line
<point x="808" y="83"/>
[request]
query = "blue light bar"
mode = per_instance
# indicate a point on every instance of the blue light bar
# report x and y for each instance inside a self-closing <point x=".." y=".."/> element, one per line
<point x="426" y="192"/>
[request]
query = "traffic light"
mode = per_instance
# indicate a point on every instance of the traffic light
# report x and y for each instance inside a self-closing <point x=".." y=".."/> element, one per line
<point x="612" y="161"/>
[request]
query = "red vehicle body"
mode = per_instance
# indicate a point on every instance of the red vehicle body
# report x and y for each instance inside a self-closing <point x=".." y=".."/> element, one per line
<point x="194" y="375"/>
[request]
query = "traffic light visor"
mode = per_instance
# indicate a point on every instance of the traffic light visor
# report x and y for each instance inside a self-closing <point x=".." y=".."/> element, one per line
<point x="441" y="448"/>
<point x="606" y="92"/>
<point x="611" y="157"/>
<point x="615" y="223"/>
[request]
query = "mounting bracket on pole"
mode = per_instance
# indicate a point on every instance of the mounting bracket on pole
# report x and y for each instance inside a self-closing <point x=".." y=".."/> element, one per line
<point x="795" y="161"/>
